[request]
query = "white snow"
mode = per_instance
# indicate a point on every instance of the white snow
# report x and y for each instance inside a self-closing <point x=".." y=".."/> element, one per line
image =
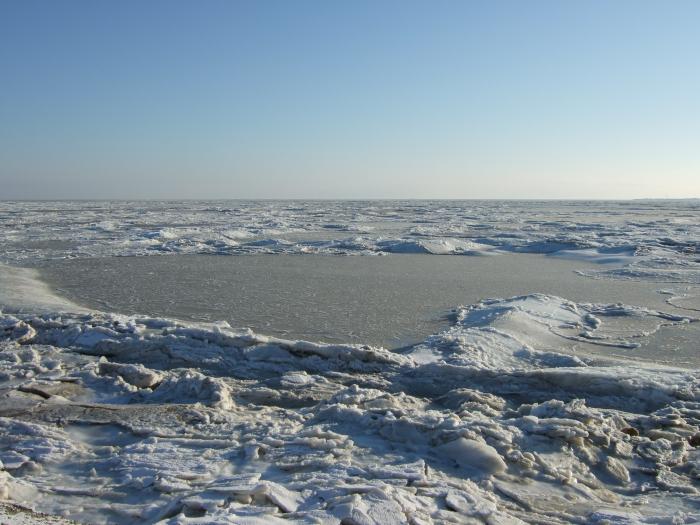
<point x="501" y="418"/>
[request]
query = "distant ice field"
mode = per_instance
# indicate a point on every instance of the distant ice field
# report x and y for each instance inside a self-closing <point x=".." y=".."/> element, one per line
<point x="392" y="301"/>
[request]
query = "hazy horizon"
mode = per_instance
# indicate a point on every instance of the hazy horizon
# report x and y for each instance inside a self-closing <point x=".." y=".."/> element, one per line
<point x="368" y="100"/>
<point x="341" y="199"/>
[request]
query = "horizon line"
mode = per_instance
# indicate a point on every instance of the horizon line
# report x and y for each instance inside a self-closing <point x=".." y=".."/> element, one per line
<point x="350" y="199"/>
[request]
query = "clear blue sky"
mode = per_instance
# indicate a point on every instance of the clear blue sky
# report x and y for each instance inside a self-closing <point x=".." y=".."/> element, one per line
<point x="330" y="99"/>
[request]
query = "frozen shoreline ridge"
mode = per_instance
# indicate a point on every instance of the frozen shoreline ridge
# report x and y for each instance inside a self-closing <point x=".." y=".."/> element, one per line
<point x="112" y="418"/>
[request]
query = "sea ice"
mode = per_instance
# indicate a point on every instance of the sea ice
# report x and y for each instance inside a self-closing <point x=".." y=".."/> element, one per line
<point x="501" y="418"/>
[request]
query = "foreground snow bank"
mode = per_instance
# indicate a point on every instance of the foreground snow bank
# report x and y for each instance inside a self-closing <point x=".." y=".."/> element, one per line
<point x="120" y="419"/>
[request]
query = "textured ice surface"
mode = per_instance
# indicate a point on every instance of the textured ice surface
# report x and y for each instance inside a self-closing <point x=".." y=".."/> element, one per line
<point x="655" y="233"/>
<point x="115" y="419"/>
<point x="111" y="418"/>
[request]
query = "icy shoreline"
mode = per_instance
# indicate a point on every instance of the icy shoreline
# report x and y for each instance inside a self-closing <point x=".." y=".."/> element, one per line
<point x="109" y="418"/>
<point x="115" y="419"/>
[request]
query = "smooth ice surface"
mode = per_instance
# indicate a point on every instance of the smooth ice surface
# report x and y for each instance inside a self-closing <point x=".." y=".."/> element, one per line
<point x="517" y="412"/>
<point x="21" y="289"/>
<point x="387" y="301"/>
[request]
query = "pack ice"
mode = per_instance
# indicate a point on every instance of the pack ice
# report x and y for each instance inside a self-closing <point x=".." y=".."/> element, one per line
<point x="107" y="418"/>
<point x="114" y="419"/>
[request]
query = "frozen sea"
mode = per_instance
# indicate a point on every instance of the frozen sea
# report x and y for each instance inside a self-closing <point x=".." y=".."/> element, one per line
<point x="354" y="362"/>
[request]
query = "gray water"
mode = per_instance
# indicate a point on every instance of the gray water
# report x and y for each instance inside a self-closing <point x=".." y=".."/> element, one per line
<point x="392" y="301"/>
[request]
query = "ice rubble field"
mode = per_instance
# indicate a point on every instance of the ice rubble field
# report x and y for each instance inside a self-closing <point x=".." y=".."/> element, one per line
<point x="109" y="418"/>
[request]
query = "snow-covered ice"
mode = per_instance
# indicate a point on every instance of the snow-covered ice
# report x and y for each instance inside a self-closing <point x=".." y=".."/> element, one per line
<point x="113" y="418"/>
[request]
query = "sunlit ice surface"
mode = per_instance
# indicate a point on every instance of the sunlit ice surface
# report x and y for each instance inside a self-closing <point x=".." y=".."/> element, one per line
<point x="356" y="362"/>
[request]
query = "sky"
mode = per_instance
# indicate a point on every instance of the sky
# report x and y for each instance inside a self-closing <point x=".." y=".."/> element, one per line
<point x="358" y="99"/>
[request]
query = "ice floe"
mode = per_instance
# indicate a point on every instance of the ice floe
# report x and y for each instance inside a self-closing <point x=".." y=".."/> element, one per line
<point x="504" y="417"/>
<point x="115" y="419"/>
